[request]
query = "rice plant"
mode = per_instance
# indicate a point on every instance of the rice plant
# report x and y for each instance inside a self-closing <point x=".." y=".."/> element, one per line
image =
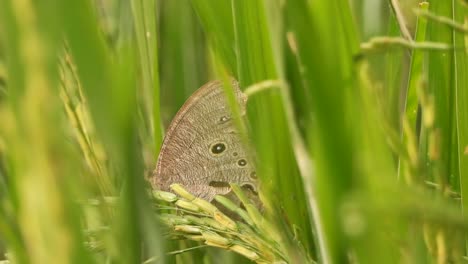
<point x="357" y="115"/>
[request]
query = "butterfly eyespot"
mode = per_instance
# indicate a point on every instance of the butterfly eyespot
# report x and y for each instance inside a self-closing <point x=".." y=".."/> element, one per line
<point x="219" y="184"/>
<point x="249" y="187"/>
<point x="224" y="119"/>
<point x="218" y="148"/>
<point x="242" y="162"/>
<point x="235" y="154"/>
<point x="253" y="175"/>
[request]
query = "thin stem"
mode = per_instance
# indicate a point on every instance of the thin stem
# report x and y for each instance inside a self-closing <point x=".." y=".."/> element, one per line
<point x="261" y="86"/>
<point x="442" y="20"/>
<point x="379" y="43"/>
<point x="401" y="20"/>
<point x="175" y="252"/>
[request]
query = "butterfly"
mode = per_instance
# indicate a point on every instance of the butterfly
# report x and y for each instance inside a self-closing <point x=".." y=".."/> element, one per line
<point x="203" y="150"/>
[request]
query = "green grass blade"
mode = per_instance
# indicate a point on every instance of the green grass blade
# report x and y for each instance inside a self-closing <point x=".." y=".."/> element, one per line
<point x="441" y="84"/>
<point x="217" y="20"/>
<point x="183" y="56"/>
<point x="144" y="19"/>
<point x="38" y="156"/>
<point x="416" y="84"/>
<point x="257" y="62"/>
<point x="110" y="88"/>
<point x="461" y="101"/>
<point x="299" y="20"/>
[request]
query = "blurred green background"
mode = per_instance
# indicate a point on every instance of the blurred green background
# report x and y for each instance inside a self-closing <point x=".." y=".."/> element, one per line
<point x="361" y="138"/>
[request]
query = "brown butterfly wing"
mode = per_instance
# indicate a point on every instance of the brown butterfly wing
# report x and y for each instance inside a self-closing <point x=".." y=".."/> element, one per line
<point x="202" y="149"/>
